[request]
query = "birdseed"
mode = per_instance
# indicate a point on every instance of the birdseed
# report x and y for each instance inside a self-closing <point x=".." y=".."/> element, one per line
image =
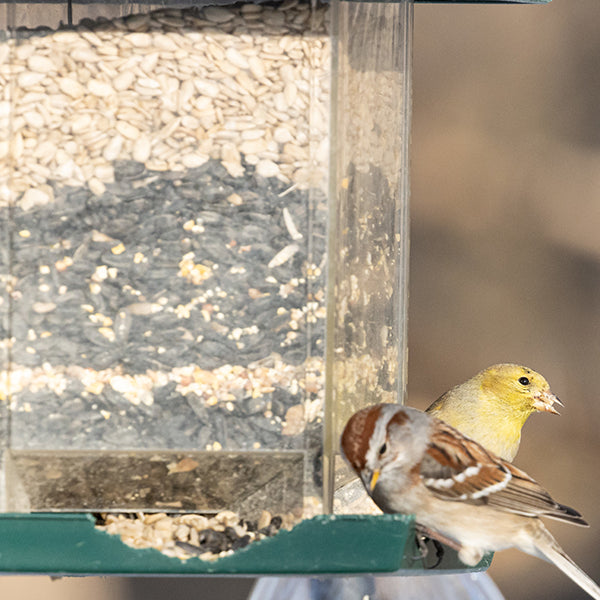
<point x="185" y="536"/>
<point x="162" y="175"/>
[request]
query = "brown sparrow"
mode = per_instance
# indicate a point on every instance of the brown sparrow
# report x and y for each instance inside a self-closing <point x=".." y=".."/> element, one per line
<point x="460" y="494"/>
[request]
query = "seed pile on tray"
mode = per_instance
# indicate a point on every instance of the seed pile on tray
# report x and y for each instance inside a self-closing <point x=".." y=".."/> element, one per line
<point x="184" y="536"/>
<point x="162" y="184"/>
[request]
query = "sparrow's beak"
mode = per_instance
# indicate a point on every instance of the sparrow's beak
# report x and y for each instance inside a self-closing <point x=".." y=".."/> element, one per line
<point x="374" y="479"/>
<point x="545" y="403"/>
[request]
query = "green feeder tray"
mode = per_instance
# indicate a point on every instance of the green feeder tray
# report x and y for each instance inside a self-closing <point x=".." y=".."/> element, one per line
<point x="69" y="544"/>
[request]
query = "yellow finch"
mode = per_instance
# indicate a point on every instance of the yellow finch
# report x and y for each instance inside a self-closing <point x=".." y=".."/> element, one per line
<point x="492" y="407"/>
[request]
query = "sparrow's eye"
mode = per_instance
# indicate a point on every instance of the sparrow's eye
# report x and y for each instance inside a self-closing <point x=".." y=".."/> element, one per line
<point x="523" y="380"/>
<point x="382" y="449"/>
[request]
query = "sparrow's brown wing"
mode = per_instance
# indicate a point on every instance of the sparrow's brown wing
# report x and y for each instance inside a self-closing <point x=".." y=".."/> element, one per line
<point x="459" y="469"/>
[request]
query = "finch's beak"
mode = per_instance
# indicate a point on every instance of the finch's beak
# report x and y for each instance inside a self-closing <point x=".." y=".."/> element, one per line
<point x="545" y="403"/>
<point x="374" y="479"/>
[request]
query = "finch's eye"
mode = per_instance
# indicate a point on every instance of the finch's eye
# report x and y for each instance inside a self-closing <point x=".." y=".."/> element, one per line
<point x="382" y="449"/>
<point x="523" y="381"/>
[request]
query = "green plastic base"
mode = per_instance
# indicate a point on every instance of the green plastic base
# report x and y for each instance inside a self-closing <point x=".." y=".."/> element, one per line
<point x="70" y="544"/>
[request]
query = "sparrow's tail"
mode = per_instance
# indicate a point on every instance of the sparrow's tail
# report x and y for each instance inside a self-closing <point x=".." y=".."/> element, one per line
<point x="549" y="549"/>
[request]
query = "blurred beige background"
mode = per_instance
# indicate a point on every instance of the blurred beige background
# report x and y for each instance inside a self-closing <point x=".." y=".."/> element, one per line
<point x="505" y="249"/>
<point x="505" y="257"/>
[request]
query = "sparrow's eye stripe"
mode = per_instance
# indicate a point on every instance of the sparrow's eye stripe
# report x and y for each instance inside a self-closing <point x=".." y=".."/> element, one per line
<point x="357" y="436"/>
<point x="400" y="418"/>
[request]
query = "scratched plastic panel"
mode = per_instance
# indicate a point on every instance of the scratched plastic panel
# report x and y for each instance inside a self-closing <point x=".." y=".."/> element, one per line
<point x="5" y="173"/>
<point x="366" y="348"/>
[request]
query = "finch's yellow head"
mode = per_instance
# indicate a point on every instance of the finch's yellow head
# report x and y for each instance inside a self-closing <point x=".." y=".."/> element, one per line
<point x="521" y="388"/>
<point x="493" y="406"/>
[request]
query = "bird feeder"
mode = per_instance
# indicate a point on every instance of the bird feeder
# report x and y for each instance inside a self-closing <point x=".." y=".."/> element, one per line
<point x="204" y="217"/>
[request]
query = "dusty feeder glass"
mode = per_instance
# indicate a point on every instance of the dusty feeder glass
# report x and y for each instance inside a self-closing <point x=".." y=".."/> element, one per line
<point x="175" y="186"/>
